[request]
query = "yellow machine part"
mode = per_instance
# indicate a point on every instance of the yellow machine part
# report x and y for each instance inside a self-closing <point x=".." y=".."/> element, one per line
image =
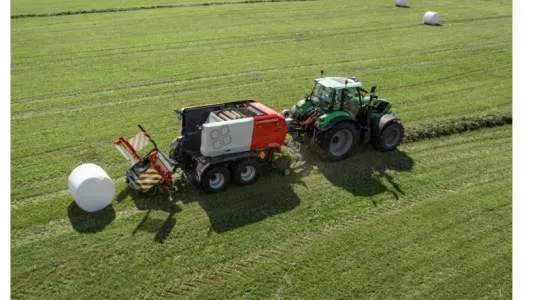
<point x="148" y="179"/>
<point x="274" y="155"/>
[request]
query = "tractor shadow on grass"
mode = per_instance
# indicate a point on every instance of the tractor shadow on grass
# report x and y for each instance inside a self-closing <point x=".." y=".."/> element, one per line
<point x="366" y="173"/>
<point x="158" y="202"/>
<point x="239" y="206"/>
<point x="86" y="222"/>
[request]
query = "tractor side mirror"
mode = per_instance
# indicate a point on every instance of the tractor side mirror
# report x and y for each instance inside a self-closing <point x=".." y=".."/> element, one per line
<point x="373" y="95"/>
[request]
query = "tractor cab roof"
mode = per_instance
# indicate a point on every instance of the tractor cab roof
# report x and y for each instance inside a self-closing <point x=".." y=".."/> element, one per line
<point x="339" y="82"/>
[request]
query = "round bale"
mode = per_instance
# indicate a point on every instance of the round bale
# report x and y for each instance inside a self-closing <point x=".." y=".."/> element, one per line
<point x="431" y="18"/>
<point x="402" y="3"/>
<point x="91" y="187"/>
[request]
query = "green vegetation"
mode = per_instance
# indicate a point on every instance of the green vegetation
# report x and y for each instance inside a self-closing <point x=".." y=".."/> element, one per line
<point x="431" y="220"/>
<point x="79" y="8"/>
<point x="433" y="129"/>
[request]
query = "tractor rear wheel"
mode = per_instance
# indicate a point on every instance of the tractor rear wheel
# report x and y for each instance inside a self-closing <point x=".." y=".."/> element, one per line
<point x="246" y="172"/>
<point x="215" y="179"/>
<point x="338" y="142"/>
<point x="390" y="137"/>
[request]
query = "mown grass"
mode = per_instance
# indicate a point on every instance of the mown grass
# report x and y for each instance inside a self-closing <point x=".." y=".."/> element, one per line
<point x="78" y="82"/>
<point x="140" y="7"/>
<point x="54" y="7"/>
<point x="432" y="220"/>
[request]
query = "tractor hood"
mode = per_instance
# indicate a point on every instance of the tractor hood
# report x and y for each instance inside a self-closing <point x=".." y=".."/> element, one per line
<point x="301" y="107"/>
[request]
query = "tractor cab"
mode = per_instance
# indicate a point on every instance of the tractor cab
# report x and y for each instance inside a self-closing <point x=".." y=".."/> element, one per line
<point x="338" y="94"/>
<point x="331" y="93"/>
<point x="347" y="94"/>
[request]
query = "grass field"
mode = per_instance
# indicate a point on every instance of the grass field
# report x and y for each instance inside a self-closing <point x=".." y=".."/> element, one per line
<point x="31" y="8"/>
<point x="431" y="220"/>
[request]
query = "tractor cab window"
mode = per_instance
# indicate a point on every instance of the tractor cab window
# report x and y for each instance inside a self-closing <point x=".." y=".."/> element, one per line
<point x="351" y="100"/>
<point x="322" y="95"/>
<point x="338" y="98"/>
<point x="351" y="94"/>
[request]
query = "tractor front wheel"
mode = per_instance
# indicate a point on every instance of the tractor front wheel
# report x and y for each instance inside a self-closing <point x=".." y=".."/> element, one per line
<point x="390" y="137"/>
<point x="338" y="143"/>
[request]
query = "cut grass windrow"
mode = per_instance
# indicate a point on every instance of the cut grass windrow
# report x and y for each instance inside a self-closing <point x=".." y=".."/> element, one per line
<point x="438" y="128"/>
<point x="146" y="7"/>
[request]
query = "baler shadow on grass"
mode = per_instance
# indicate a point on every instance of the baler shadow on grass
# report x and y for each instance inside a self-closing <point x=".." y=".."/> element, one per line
<point x="158" y="202"/>
<point x="233" y="208"/>
<point x="239" y="206"/>
<point x="364" y="174"/>
<point x="236" y="207"/>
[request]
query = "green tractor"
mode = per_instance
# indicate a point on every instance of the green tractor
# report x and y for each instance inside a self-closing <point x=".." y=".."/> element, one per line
<point x="339" y="114"/>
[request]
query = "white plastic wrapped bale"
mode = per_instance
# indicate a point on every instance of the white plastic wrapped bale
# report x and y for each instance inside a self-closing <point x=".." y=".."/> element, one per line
<point x="431" y="18"/>
<point x="91" y="187"/>
<point x="226" y="137"/>
<point x="402" y="3"/>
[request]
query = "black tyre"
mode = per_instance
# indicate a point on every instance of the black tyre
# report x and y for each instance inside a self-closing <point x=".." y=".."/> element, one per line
<point x="246" y="172"/>
<point x="390" y="136"/>
<point x="338" y="142"/>
<point x="215" y="179"/>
